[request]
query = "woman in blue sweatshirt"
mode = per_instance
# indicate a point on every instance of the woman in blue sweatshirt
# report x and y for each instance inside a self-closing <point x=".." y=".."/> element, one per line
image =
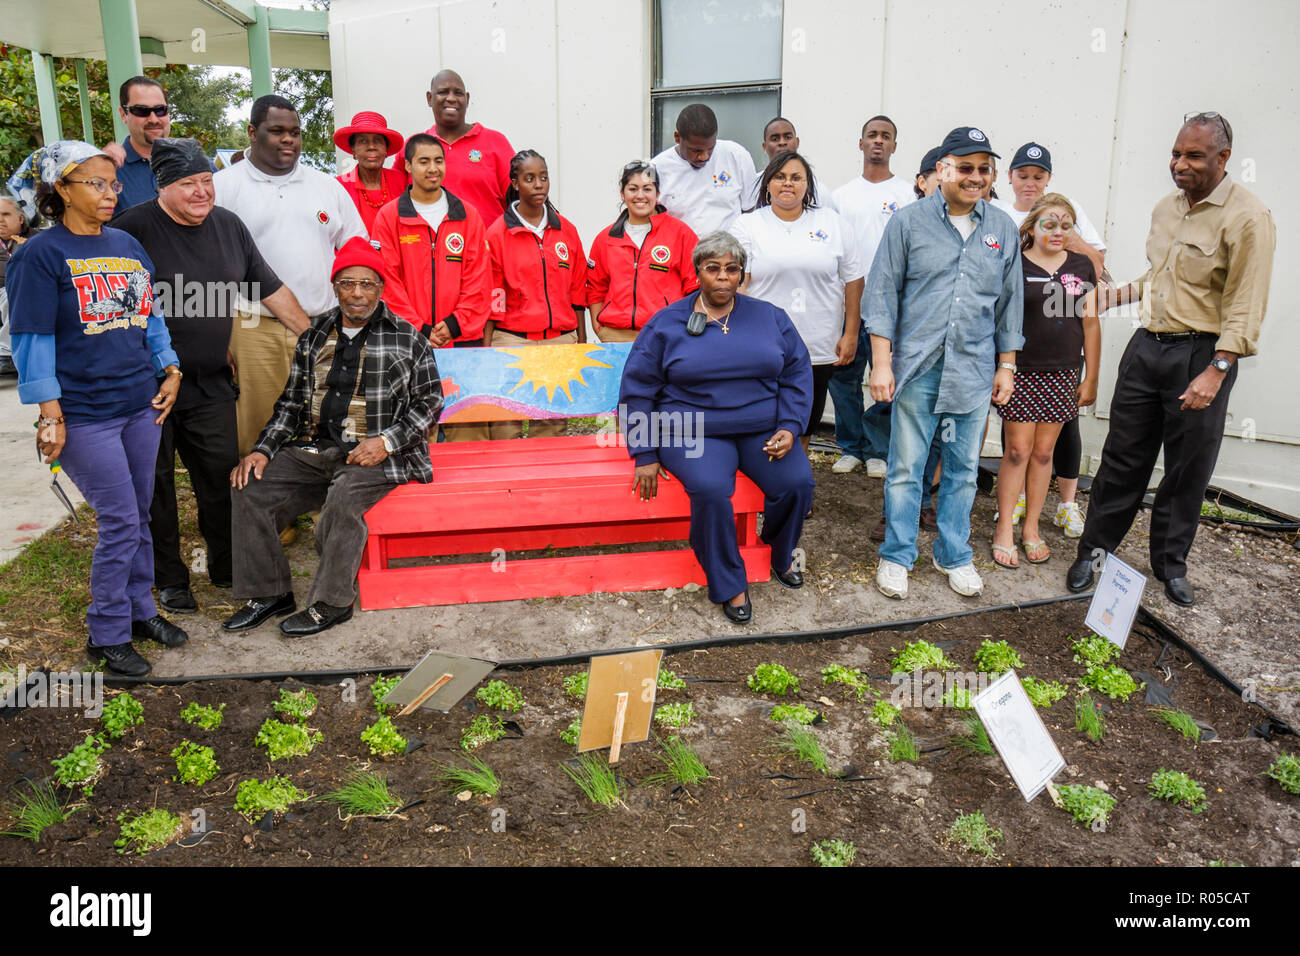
<point x="734" y="370"/>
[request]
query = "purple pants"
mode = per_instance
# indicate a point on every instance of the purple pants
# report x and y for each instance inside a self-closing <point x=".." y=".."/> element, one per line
<point x="112" y="464"/>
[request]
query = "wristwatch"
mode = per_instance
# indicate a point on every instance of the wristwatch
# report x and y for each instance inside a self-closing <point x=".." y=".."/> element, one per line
<point x="1222" y="364"/>
<point x="388" y="446"/>
<point x="1009" y="366"/>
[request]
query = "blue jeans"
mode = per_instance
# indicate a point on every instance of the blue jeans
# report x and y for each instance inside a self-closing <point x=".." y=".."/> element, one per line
<point x="927" y="477"/>
<point x="861" y="432"/>
<point x="914" y="427"/>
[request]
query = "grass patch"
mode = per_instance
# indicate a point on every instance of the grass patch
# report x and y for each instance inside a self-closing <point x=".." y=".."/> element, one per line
<point x="1088" y="718"/>
<point x="975" y="738"/>
<point x="147" y="831"/>
<point x="483" y="729"/>
<point x="972" y="831"/>
<point x="48" y="584"/>
<point x="206" y="718"/>
<point x="675" y="715"/>
<point x="682" y="764"/>
<point x="1179" y="721"/>
<point x="902" y="745"/>
<point x="1174" y="786"/>
<point x="364" y="795"/>
<point x="772" y="679"/>
<point x="478" y="778"/>
<point x="834" y="853"/>
<point x="1042" y="693"/>
<point x="920" y="655"/>
<point x="1286" y="771"/>
<point x="1089" y="805"/>
<point x="801" y="743"/>
<point x="35" y="813"/>
<point x="997" y="657"/>
<point x="596" y="778"/>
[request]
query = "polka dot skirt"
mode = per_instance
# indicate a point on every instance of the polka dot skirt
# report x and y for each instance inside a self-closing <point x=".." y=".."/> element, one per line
<point x="1043" y="397"/>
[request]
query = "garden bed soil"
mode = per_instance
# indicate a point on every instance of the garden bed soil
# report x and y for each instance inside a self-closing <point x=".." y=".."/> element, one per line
<point x="748" y="812"/>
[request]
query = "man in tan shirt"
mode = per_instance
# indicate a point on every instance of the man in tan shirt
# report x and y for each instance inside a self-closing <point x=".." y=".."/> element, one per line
<point x="1210" y="252"/>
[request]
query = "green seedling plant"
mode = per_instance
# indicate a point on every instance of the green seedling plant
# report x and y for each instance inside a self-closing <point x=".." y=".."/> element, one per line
<point x="1088" y="718"/>
<point x="675" y="715"/>
<point x="997" y="657"/>
<point x="283" y="741"/>
<point x="682" y="764"/>
<point x="120" y="713"/>
<point x="957" y="697"/>
<point x="82" y="766"/>
<point x="483" y="729"/>
<point x="1042" y="693"/>
<point x="379" y="689"/>
<point x="834" y="853"/>
<point x="205" y="718"/>
<point x="254" y="798"/>
<point x="478" y="778"/>
<point x="298" y="704"/>
<point x="150" y="830"/>
<point x="1174" y="786"/>
<point x="670" y="681"/>
<point x="920" y="655"/>
<point x="800" y="742"/>
<point x="1111" y="680"/>
<point x="571" y="733"/>
<point x="596" y="778"/>
<point x="1179" y="721"/>
<point x="364" y="795"/>
<point x="1095" y="650"/>
<point x="1286" y="771"/>
<point x="575" y="685"/>
<point x="772" y="679"/>
<point x="1089" y="805"/>
<point x="383" y="739"/>
<point x="500" y="695"/>
<point x="972" y="831"/>
<point x="799" y="713"/>
<point x="884" y="713"/>
<point x="975" y="738"/>
<point x="194" y="764"/>
<point x="902" y="745"/>
<point x="35" y="813"/>
<point x="853" y="679"/>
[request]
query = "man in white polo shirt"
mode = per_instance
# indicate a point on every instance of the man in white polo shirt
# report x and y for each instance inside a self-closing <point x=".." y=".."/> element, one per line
<point x="779" y="137"/>
<point x="298" y="217"/>
<point x="704" y="181"/>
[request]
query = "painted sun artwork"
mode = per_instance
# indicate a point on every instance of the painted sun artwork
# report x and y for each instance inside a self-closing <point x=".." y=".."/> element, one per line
<point x="554" y="367"/>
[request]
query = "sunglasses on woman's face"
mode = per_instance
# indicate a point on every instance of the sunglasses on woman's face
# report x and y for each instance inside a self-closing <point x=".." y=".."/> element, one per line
<point x="143" y="111"/>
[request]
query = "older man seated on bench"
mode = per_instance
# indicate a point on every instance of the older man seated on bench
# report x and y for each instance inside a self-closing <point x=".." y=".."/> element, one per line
<point x="350" y="427"/>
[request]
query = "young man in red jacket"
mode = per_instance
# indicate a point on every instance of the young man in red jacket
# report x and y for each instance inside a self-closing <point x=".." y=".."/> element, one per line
<point x="436" y="270"/>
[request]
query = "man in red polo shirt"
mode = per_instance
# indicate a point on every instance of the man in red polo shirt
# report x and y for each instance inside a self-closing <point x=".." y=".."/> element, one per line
<point x="478" y="158"/>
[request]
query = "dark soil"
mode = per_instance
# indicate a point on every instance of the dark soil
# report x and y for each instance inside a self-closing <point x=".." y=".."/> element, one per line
<point x="748" y="813"/>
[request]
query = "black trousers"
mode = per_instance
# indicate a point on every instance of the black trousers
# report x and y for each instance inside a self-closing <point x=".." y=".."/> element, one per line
<point x="1145" y="415"/>
<point x="206" y="438"/>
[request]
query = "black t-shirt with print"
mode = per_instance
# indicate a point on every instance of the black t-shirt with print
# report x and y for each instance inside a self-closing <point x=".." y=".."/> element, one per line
<point x="1053" y="326"/>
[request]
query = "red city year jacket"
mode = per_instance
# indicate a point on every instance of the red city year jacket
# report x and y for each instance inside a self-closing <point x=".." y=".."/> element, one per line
<point x="636" y="283"/>
<point x="431" y="278"/>
<point x="538" y="282"/>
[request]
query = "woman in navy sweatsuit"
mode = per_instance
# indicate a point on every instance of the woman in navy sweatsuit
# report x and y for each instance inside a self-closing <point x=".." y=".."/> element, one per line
<point x="736" y="369"/>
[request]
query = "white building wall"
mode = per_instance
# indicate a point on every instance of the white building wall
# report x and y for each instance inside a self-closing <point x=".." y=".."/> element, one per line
<point x="1103" y="85"/>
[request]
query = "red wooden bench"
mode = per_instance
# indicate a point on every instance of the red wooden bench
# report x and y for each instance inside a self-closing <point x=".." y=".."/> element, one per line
<point x="496" y="499"/>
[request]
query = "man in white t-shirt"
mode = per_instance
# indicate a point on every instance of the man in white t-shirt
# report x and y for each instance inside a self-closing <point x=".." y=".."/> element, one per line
<point x="704" y="181"/>
<point x="779" y="137"/>
<point x="867" y="202"/>
<point x="298" y="217"/>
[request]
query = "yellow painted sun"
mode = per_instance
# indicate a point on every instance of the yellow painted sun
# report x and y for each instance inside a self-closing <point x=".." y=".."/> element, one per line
<point x="553" y="366"/>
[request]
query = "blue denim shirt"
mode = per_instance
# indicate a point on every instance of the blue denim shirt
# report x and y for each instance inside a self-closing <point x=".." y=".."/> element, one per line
<point x="936" y="298"/>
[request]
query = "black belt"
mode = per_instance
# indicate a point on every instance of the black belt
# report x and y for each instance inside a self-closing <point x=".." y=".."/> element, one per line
<point x="1180" y="336"/>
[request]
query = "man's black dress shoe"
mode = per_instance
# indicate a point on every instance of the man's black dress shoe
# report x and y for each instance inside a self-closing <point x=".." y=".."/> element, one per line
<point x="257" y="610"/>
<point x="739" y="615"/>
<point x="219" y="583"/>
<point x="319" y="617"/>
<point x="159" y="629"/>
<point x="120" y="659"/>
<point x="790" y="579"/>
<point x="177" y="599"/>
<point x="1180" y="591"/>
<point x="1079" y="577"/>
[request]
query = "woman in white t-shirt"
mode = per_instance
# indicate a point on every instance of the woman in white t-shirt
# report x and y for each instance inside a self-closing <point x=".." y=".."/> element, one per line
<point x="802" y="258"/>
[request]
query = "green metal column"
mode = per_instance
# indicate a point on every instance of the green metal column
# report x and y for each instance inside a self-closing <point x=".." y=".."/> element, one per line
<point x="122" y="50"/>
<point x="83" y="87"/>
<point x="259" y="53"/>
<point x="46" y="98"/>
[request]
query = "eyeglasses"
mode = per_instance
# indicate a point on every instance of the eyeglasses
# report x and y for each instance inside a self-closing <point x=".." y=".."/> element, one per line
<point x="712" y="269"/>
<point x="365" y="285"/>
<point x="1209" y="117"/>
<point x="143" y="111"/>
<point x="966" y="169"/>
<point x="100" y="185"/>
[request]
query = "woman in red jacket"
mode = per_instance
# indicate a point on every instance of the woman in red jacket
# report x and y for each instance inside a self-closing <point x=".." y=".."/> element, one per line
<point x="370" y="184"/>
<point x="539" y="275"/>
<point x="641" y="263"/>
<point x="436" y="273"/>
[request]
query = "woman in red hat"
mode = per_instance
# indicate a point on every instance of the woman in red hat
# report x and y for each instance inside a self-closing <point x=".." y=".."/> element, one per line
<point x="370" y="185"/>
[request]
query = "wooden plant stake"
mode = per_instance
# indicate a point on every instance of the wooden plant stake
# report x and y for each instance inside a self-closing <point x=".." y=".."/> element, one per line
<point x="424" y="695"/>
<point x="620" y="713"/>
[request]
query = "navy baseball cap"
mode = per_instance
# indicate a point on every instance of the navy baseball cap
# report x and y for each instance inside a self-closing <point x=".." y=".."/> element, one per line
<point x="965" y="140"/>
<point x="1031" y="154"/>
<point x="929" y="161"/>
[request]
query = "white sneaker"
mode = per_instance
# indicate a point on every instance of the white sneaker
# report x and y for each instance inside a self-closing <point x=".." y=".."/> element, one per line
<point x="1017" y="513"/>
<point x="965" y="580"/>
<point x="1069" y="517"/>
<point x="876" y="468"/>
<point x="891" y="579"/>
<point x="845" y="464"/>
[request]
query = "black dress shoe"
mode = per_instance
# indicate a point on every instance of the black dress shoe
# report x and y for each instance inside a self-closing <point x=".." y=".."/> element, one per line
<point x="1180" y="591"/>
<point x="177" y="599"/>
<point x="319" y="617"/>
<point x="220" y="583"/>
<point x="739" y="615"/>
<point x="1079" y="577"/>
<point x="159" y="629"/>
<point x="791" y="579"/>
<point x="120" y="659"/>
<point x="257" y="610"/>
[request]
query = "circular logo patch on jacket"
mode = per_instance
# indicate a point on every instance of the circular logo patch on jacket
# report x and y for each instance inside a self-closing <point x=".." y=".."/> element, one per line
<point x="661" y="254"/>
<point x="455" y="243"/>
<point x="562" y="252"/>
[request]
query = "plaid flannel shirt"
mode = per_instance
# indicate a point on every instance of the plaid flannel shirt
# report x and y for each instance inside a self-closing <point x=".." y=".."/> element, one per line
<point x="403" y="393"/>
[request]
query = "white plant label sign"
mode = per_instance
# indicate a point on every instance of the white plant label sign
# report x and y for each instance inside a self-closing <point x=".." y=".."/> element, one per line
<point x="1018" y="733"/>
<point x="1116" y="600"/>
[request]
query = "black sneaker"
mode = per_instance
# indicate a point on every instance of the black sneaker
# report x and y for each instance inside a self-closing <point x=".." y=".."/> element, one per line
<point x="159" y="629"/>
<point x="120" y="659"/>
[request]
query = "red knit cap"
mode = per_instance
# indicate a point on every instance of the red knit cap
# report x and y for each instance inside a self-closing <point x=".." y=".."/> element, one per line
<point x="357" y="252"/>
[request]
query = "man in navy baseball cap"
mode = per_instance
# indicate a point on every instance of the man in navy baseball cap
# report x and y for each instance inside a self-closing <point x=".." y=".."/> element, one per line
<point x="1031" y="154"/>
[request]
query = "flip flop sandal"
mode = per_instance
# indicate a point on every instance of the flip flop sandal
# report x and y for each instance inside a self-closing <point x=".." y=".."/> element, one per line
<point x="1007" y="552"/>
<point x="1036" y="545"/>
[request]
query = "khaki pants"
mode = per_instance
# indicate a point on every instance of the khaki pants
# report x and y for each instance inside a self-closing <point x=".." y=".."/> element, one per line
<point x="537" y="428"/>
<point x="263" y="351"/>
<point x="608" y="333"/>
<point x="467" y="431"/>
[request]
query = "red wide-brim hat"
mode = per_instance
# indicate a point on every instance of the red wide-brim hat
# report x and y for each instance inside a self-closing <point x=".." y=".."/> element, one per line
<point x="368" y="122"/>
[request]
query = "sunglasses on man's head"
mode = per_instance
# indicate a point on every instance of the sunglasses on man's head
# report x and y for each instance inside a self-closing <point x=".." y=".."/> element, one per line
<point x="143" y="111"/>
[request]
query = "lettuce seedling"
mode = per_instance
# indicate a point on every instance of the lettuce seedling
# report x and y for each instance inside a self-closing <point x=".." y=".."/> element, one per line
<point x="207" y="718"/>
<point x="799" y="713"/>
<point x="379" y="689"/>
<point x="194" y="764"/>
<point x="283" y="741"/>
<point x="575" y="685"/>
<point x="675" y="715"/>
<point x="82" y="766"/>
<point x="121" y="712"/>
<point x="500" y="695"/>
<point x="1286" y="771"/>
<point x="973" y="832"/>
<point x="1042" y="693"/>
<point x="1111" y="680"/>
<point x="1174" y="786"/>
<point x="254" y="798"/>
<point x="997" y="657"/>
<point x="571" y="733"/>
<point x="483" y="729"/>
<point x="298" y="704"/>
<point x="1094" y="650"/>
<point x="670" y="681"/>
<point x="1089" y="805"/>
<point x="884" y="713"/>
<point x="834" y="853"/>
<point x="383" y="739"/>
<point x="772" y="679"/>
<point x="147" y="831"/>
<point x="920" y="655"/>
